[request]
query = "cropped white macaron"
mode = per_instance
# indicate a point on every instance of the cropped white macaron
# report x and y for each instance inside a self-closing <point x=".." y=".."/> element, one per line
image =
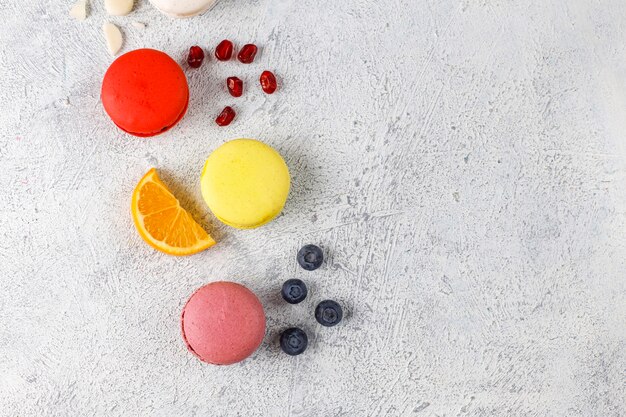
<point x="183" y="8"/>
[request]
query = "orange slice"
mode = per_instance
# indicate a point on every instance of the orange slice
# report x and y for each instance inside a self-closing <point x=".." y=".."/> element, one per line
<point x="162" y="222"/>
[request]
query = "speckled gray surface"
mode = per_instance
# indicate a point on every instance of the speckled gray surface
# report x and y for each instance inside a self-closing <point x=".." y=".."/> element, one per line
<point x="463" y="163"/>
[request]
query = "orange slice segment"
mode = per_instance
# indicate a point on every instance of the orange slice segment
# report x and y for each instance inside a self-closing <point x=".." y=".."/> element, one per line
<point x="162" y="222"/>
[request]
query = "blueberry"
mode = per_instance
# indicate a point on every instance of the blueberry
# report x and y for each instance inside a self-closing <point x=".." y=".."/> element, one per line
<point x="294" y="291"/>
<point x="293" y="341"/>
<point x="328" y="313"/>
<point x="310" y="257"/>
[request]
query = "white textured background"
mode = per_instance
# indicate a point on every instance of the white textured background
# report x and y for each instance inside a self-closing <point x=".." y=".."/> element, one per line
<point x="463" y="163"/>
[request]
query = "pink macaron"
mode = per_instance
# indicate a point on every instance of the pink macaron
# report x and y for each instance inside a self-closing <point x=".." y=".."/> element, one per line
<point x="223" y="323"/>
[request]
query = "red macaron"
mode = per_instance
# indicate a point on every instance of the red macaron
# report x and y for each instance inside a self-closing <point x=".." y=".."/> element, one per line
<point x="223" y="323"/>
<point x="145" y="92"/>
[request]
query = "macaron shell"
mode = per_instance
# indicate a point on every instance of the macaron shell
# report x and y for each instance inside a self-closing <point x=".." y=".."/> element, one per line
<point x="145" y="92"/>
<point x="183" y="8"/>
<point x="245" y="183"/>
<point x="145" y="135"/>
<point x="223" y="323"/>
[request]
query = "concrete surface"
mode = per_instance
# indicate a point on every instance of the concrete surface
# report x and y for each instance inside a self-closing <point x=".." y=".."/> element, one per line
<point x="463" y="163"/>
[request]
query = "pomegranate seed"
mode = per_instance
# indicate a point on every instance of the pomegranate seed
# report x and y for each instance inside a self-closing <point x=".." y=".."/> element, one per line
<point x="247" y="53"/>
<point x="268" y="82"/>
<point x="224" y="50"/>
<point x="226" y="116"/>
<point x="235" y="86"/>
<point x="196" y="56"/>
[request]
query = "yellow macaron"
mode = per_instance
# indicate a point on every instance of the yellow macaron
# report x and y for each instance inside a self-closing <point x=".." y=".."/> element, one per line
<point x="245" y="183"/>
